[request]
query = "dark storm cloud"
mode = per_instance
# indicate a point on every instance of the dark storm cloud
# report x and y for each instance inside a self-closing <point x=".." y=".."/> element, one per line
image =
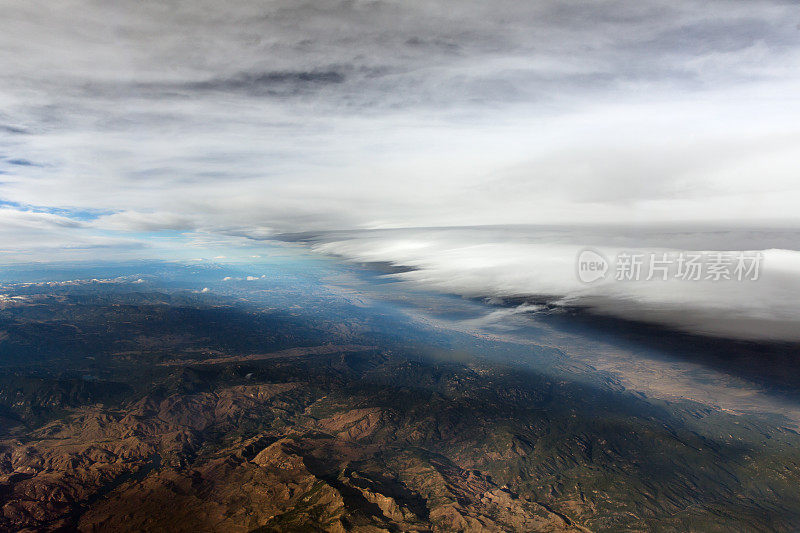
<point x="250" y="84"/>
<point x="393" y="54"/>
<point x="271" y="83"/>
<point x="12" y="130"/>
<point x="21" y="162"/>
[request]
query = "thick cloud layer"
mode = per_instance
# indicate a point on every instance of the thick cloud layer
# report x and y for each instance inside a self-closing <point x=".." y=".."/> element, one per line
<point x="254" y="116"/>
<point x="123" y="124"/>
<point x="540" y="265"/>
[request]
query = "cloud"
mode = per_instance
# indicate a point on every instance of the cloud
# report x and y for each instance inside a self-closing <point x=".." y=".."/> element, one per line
<point x="539" y="264"/>
<point x="250" y="119"/>
<point x="20" y="162"/>
<point x="17" y="219"/>
<point x="270" y="83"/>
<point x="28" y="235"/>
<point x="139" y="221"/>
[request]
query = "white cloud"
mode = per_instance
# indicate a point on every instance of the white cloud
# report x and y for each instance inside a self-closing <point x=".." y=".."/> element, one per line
<point x="165" y="128"/>
<point x="540" y="264"/>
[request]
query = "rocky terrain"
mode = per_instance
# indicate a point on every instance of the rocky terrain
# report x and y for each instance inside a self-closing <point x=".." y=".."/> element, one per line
<point x="123" y="422"/>
<point x="184" y="463"/>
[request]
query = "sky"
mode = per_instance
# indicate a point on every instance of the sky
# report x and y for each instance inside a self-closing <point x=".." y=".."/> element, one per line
<point x="255" y="118"/>
<point x="154" y="129"/>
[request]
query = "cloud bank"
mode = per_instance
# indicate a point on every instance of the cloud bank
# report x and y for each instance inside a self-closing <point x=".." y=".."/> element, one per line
<point x="135" y="128"/>
<point x="539" y="264"/>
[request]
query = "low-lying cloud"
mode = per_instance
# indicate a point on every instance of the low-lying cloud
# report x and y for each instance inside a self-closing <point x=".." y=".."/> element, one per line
<point x="123" y="122"/>
<point x="540" y="264"/>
